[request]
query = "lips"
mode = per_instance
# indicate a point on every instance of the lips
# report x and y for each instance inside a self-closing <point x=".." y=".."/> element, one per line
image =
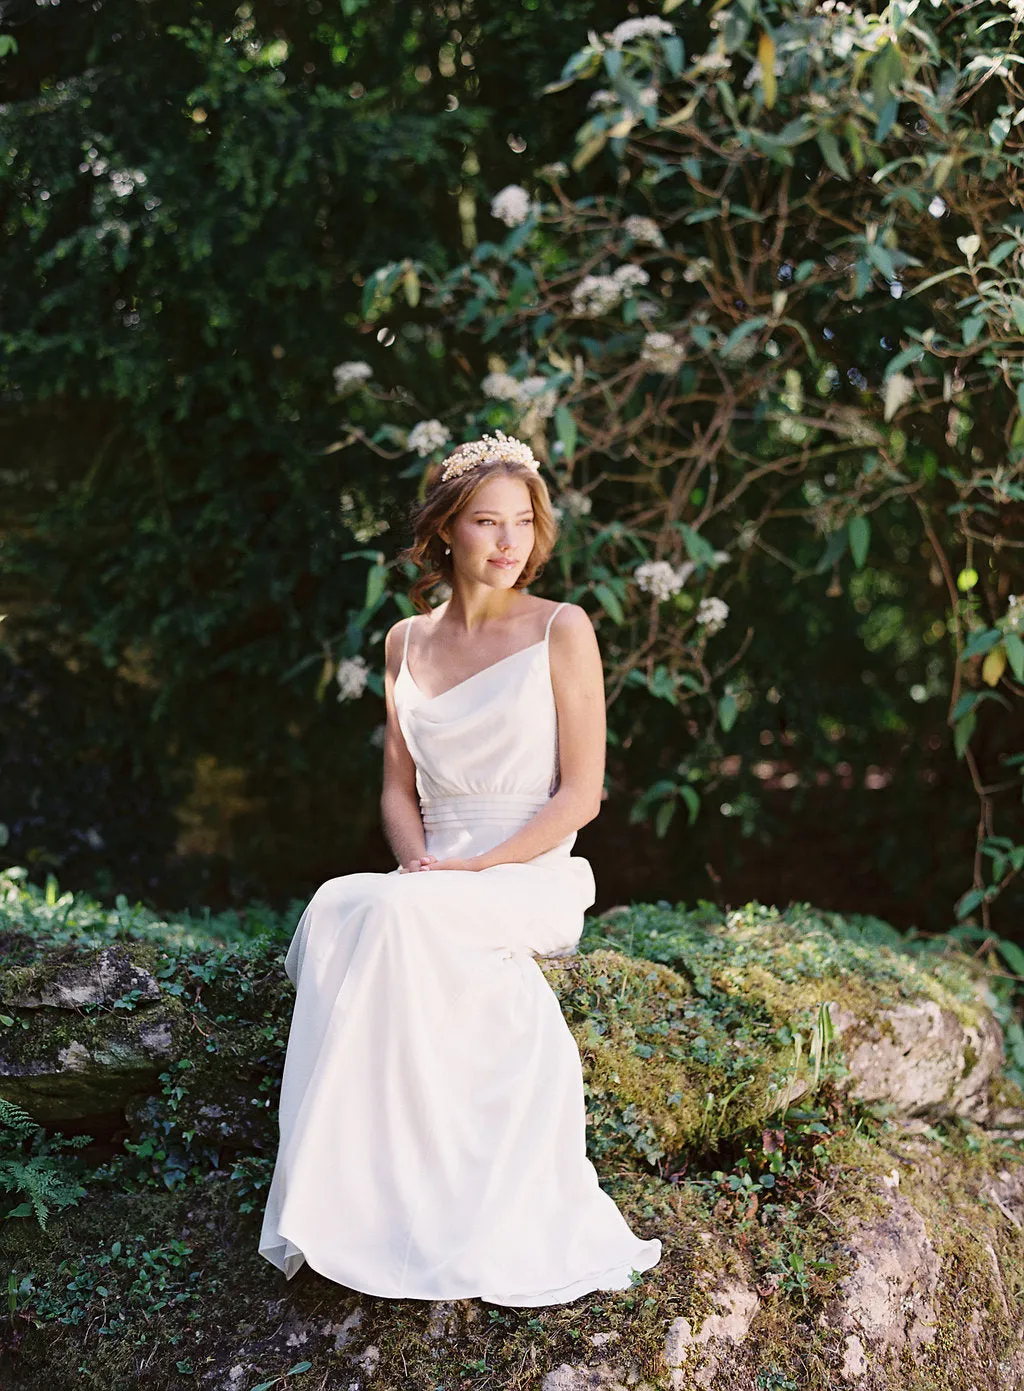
<point x="505" y="564"/>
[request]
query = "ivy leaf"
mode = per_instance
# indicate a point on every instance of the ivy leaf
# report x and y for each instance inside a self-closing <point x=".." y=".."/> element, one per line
<point x="727" y="712"/>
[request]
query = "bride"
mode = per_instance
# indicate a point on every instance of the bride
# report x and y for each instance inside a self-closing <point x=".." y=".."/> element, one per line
<point x="432" y="1115"/>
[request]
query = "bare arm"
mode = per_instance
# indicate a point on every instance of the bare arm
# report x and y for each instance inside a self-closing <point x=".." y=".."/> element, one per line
<point x="399" y="804"/>
<point x="577" y="678"/>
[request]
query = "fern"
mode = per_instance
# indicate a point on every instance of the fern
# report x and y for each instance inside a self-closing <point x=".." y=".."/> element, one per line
<point x="42" y="1175"/>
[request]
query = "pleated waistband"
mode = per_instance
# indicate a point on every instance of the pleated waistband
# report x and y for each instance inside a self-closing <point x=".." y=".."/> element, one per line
<point x="477" y="809"/>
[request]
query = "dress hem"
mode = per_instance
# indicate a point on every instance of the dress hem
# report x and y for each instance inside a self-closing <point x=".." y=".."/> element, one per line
<point x="561" y="1294"/>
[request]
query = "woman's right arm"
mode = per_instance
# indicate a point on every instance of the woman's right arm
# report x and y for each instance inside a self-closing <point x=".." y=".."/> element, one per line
<point x="399" y="804"/>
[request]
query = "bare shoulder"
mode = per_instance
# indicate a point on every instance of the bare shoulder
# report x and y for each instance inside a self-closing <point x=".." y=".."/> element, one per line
<point x="572" y="635"/>
<point x="394" y="641"/>
<point x="570" y="623"/>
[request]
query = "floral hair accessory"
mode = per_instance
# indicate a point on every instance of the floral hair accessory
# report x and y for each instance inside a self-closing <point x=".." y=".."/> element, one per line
<point x="496" y="446"/>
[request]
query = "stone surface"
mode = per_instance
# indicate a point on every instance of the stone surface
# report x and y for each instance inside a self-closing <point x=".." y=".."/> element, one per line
<point x="920" y="1058"/>
<point x="694" y="1359"/>
<point x="95" y="978"/>
<point x="887" y="1303"/>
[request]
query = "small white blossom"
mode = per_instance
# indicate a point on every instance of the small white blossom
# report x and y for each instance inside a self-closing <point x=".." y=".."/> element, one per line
<point x="602" y="99"/>
<point x="535" y="393"/>
<point x="649" y="26"/>
<point x="629" y="277"/>
<point x="697" y="269"/>
<point x="712" y="61"/>
<point x="530" y="393"/>
<point x="643" y="229"/>
<point x="348" y="374"/>
<point x="659" y="578"/>
<point x="937" y="206"/>
<point x="1015" y="604"/>
<point x="712" y="613"/>
<point x="351" y="678"/>
<point x="427" y="436"/>
<point x="594" y="295"/>
<point x="377" y="736"/>
<point x="501" y="386"/>
<point x="662" y="353"/>
<point x="558" y="169"/>
<point x="574" y="502"/>
<point x="648" y="96"/>
<point x="511" y="205"/>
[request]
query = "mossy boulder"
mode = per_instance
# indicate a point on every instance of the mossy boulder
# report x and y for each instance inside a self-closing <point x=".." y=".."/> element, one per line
<point x="828" y="1217"/>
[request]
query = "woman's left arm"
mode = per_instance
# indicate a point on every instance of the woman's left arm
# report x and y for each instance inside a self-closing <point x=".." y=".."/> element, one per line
<point x="577" y="679"/>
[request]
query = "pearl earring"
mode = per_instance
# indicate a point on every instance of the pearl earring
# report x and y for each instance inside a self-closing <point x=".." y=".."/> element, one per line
<point x="447" y="550"/>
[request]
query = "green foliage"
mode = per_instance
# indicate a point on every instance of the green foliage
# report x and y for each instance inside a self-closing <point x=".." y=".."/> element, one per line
<point x="33" y="1167"/>
<point x="797" y="381"/>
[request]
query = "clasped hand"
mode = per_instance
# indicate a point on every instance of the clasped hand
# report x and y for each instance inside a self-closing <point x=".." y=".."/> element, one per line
<point x="431" y="862"/>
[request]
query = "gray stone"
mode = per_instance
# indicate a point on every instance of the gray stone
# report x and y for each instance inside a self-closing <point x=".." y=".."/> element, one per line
<point x="96" y="978"/>
<point x="694" y="1359"/>
<point x="920" y="1058"/>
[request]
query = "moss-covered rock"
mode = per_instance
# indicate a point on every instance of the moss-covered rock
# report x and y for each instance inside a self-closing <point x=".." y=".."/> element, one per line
<point x="828" y="1217"/>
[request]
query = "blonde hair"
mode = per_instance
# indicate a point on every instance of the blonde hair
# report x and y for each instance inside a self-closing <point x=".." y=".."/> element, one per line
<point x="444" y="500"/>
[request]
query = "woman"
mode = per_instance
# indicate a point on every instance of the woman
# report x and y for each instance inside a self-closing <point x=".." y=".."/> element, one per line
<point x="432" y="1116"/>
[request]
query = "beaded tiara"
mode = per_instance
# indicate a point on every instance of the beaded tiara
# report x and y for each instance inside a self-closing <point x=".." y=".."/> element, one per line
<point x="496" y="446"/>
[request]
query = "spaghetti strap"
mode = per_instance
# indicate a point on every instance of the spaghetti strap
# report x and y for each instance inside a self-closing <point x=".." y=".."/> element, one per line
<point x="551" y="620"/>
<point x="405" y="649"/>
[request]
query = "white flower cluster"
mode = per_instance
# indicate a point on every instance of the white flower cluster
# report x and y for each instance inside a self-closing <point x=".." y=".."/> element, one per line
<point x="348" y="374"/>
<point x="649" y="26"/>
<point x="1015" y="604"/>
<point x="597" y="294"/>
<point x="351" y="678"/>
<point x="602" y="99"/>
<point x="712" y="613"/>
<point x="643" y="229"/>
<point x="574" y="502"/>
<point x="659" y="578"/>
<point x="427" y="436"/>
<point x="662" y="353"/>
<point x="530" y="392"/>
<point x="511" y="205"/>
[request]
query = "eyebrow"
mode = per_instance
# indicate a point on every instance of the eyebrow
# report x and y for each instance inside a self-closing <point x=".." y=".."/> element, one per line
<point x="493" y="512"/>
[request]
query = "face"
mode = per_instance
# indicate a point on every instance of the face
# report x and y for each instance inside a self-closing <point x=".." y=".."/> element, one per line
<point x="492" y="537"/>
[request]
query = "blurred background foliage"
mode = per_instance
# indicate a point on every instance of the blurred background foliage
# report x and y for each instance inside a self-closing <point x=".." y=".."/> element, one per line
<point x="207" y="209"/>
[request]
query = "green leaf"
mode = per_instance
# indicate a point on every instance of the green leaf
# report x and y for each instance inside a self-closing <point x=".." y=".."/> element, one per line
<point x="971" y="328"/>
<point x="609" y="601"/>
<point x="692" y="800"/>
<point x="981" y="642"/>
<point x="829" y="147"/>
<point x="966" y="579"/>
<point x="1015" y="654"/>
<point x="565" y="429"/>
<point x="962" y="732"/>
<point x="969" y="902"/>
<point x="672" y="47"/>
<point x="967" y="701"/>
<point x="376" y="580"/>
<point x="701" y="552"/>
<point x="740" y="332"/>
<point x="1012" y="955"/>
<point x="860" y="536"/>
<point x="727" y="712"/>
<point x="299" y="1367"/>
<point x="662" y="817"/>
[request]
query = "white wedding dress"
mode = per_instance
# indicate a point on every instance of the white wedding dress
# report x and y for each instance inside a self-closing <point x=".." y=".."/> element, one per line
<point x="432" y="1116"/>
